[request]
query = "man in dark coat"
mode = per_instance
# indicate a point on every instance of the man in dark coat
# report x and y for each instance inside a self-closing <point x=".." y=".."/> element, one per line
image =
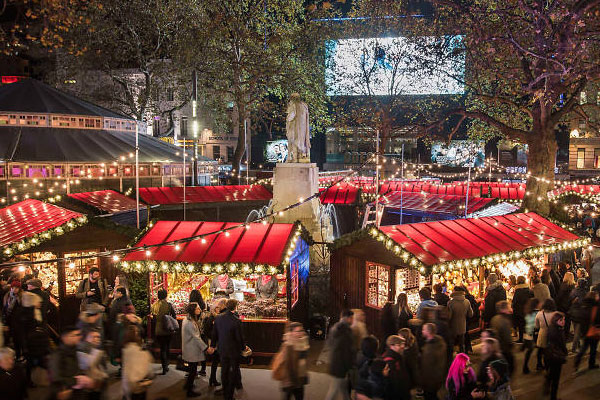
<point x="228" y="339"/>
<point x="553" y="276"/>
<point x="433" y="362"/>
<point x="493" y="294"/>
<point x="342" y="356"/>
<point x="65" y="375"/>
<point x="440" y="297"/>
<point x="520" y="298"/>
<point x="35" y="286"/>
<point x="502" y="324"/>
<point x="399" y="376"/>
<point x="459" y="310"/>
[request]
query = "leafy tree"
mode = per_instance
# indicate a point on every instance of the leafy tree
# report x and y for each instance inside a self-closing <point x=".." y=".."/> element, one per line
<point x="131" y="45"/>
<point x="255" y="54"/>
<point x="527" y="63"/>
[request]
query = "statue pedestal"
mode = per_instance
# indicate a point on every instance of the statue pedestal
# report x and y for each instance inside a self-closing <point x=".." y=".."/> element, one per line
<point x="292" y="181"/>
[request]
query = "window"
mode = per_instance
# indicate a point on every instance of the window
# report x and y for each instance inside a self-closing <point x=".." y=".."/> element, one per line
<point x="581" y="158"/>
<point x="156" y="127"/>
<point x="229" y="153"/>
<point x="184" y="126"/>
<point x="378" y="285"/>
<point x="582" y="97"/>
<point x="170" y="95"/>
<point x="596" y="158"/>
<point x="294" y="280"/>
<point x="77" y="270"/>
<point x="216" y="152"/>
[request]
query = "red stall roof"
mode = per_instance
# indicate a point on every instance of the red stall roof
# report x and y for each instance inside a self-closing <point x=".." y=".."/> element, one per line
<point x="434" y="203"/>
<point x="204" y="194"/>
<point x="260" y="244"/>
<point x="30" y="217"/>
<point x="106" y="200"/>
<point x="340" y="193"/>
<point x="461" y="239"/>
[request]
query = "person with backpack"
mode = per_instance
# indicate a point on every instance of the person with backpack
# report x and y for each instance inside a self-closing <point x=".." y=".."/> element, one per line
<point x="289" y="365"/>
<point x="163" y="328"/>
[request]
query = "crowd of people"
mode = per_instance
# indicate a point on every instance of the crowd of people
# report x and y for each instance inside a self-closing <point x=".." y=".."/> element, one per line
<point x="424" y="353"/>
<point x="427" y="353"/>
<point x="108" y="331"/>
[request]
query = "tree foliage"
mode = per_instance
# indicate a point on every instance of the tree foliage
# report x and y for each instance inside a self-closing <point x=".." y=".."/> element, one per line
<point x="527" y="63"/>
<point x="255" y="54"/>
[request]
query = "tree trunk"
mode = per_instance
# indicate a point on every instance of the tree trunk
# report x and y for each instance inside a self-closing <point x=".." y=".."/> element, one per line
<point x="240" y="148"/>
<point x="540" y="163"/>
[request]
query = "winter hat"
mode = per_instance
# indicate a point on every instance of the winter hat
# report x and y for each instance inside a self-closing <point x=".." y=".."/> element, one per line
<point x="15" y="283"/>
<point x="500" y="366"/>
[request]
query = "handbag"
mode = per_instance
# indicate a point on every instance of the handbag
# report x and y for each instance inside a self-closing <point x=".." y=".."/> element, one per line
<point x="171" y="325"/>
<point x="278" y="370"/>
<point x="594" y="329"/>
<point x="181" y="365"/>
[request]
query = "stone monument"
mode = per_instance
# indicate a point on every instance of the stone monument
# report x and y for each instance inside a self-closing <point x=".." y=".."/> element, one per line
<point x="297" y="179"/>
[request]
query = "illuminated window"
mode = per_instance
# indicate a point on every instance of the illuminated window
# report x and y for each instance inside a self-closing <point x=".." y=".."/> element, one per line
<point x="216" y="152"/>
<point x="582" y="98"/>
<point x="378" y="285"/>
<point x="581" y="158"/>
<point x="596" y="158"/>
<point x="294" y="280"/>
<point x="77" y="270"/>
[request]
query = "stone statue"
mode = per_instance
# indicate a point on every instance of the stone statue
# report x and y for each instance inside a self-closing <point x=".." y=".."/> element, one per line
<point x="297" y="130"/>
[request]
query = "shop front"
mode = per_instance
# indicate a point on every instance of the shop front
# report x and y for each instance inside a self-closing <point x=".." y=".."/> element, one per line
<point x="371" y="267"/>
<point x="264" y="266"/>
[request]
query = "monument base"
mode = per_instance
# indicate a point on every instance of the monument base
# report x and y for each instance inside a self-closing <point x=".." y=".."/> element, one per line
<point x="291" y="183"/>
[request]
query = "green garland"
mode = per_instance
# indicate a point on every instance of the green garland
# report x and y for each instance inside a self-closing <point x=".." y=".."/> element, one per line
<point x="37" y="239"/>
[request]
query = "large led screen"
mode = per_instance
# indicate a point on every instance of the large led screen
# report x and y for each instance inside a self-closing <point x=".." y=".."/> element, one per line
<point x="395" y="66"/>
<point x="459" y="153"/>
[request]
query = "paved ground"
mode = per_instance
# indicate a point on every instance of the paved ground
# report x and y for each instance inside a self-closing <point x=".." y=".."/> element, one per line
<point x="259" y="385"/>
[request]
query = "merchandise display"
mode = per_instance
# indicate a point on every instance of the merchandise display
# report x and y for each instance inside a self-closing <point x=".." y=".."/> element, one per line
<point x="378" y="284"/>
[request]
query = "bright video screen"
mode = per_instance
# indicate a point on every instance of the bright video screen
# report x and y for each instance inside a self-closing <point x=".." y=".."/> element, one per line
<point x="390" y="66"/>
<point x="276" y="151"/>
<point x="459" y="153"/>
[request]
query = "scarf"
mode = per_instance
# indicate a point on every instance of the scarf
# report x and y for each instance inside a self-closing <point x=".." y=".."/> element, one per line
<point x="223" y="280"/>
<point x="266" y="279"/>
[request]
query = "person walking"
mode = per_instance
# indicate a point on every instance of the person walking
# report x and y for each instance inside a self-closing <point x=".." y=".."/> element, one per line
<point x="92" y="289"/>
<point x="498" y="383"/>
<point x="459" y="310"/>
<point x="295" y="350"/>
<point x="208" y="330"/>
<point x="368" y="353"/>
<point x="540" y="290"/>
<point x="13" y="382"/>
<point x="91" y="319"/>
<point x="490" y="352"/>
<point x="192" y="346"/>
<point x="137" y="366"/>
<point x="118" y="305"/>
<point x="577" y="312"/>
<point x="530" y="335"/>
<point x="35" y="286"/>
<point x="342" y="356"/>
<point x="473" y="322"/>
<point x="554" y="278"/>
<point x="228" y="340"/>
<point x="402" y="311"/>
<point x="547" y="280"/>
<point x="502" y="325"/>
<point x="433" y="363"/>
<point x="411" y="355"/>
<point x="67" y="380"/>
<point x="521" y="296"/>
<point x="388" y="320"/>
<point x="461" y="380"/>
<point x="542" y="323"/>
<point x="12" y="313"/>
<point x="563" y="298"/>
<point x="398" y="376"/>
<point x="493" y="294"/>
<point x="556" y="352"/>
<point x="92" y="361"/>
<point x="159" y="310"/>
<point x="592" y="319"/>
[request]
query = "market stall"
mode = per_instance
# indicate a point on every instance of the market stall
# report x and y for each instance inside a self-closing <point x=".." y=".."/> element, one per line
<point x="372" y="266"/>
<point x="34" y="235"/>
<point x="233" y="260"/>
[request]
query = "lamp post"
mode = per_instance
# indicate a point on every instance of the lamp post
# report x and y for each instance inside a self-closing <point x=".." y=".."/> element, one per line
<point x="137" y="174"/>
